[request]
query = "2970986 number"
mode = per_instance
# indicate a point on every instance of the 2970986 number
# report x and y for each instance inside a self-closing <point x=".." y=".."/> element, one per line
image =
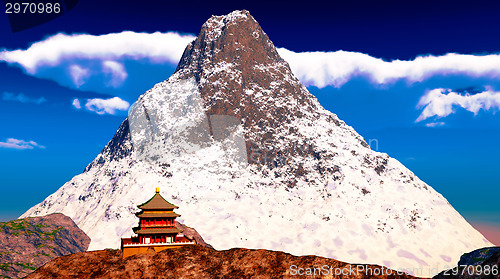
<point x="472" y="270"/>
<point x="32" y="8"/>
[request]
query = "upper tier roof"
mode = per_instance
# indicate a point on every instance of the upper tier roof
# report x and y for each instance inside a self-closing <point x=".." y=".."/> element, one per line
<point x="157" y="202"/>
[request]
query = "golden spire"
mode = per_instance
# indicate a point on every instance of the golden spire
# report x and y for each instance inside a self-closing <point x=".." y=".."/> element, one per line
<point x="157" y="190"/>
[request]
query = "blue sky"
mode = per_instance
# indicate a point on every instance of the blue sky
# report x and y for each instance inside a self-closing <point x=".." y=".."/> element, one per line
<point x="419" y="82"/>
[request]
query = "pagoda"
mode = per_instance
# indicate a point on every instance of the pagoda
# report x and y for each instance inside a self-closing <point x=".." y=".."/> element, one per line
<point x="156" y="230"/>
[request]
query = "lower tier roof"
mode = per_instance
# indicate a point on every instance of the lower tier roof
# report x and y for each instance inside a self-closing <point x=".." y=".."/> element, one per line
<point x="158" y="231"/>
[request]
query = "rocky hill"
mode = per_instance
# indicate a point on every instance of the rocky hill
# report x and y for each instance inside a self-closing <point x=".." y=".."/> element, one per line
<point x="253" y="160"/>
<point x="202" y="262"/>
<point x="479" y="264"/>
<point x="26" y="244"/>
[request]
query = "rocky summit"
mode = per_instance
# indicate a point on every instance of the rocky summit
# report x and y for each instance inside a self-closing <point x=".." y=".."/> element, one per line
<point x="26" y="244"/>
<point x="253" y="160"/>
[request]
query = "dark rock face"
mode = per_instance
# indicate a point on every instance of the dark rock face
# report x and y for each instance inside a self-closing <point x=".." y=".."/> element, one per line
<point x="198" y="262"/>
<point x="117" y="148"/>
<point x="480" y="263"/>
<point x="26" y="244"/>
<point x="478" y="256"/>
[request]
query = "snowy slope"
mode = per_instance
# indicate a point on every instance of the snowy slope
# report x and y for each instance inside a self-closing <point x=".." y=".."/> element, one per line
<point x="253" y="160"/>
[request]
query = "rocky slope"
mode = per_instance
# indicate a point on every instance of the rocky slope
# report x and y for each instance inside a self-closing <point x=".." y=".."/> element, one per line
<point x="26" y="244"/>
<point x="192" y="234"/>
<point x="253" y="160"/>
<point x="201" y="262"/>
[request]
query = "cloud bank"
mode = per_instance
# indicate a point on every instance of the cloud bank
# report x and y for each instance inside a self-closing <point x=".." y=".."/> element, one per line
<point x="318" y="69"/>
<point x="75" y="60"/>
<point x="156" y="46"/>
<point x="441" y="102"/>
<point x="103" y="106"/>
<point x="8" y="96"/>
<point x="323" y="69"/>
<point x="20" y="144"/>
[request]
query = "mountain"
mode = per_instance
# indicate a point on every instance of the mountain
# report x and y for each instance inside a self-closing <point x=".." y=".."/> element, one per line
<point x="253" y="160"/>
<point x="26" y="244"/>
<point x="200" y="262"/>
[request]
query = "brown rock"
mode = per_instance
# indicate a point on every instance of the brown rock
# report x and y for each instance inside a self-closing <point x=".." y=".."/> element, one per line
<point x="192" y="234"/>
<point x="197" y="262"/>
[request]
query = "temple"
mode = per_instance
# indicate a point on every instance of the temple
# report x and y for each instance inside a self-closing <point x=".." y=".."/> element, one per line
<point x="156" y="230"/>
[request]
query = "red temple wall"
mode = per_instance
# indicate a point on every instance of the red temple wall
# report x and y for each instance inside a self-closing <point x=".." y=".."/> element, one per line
<point x="157" y="222"/>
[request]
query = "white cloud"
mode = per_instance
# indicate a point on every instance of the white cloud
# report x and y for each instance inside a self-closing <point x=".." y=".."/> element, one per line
<point x="434" y="124"/>
<point x="117" y="72"/>
<point x="443" y="102"/>
<point x="19" y="144"/>
<point x="76" y="104"/>
<point x="109" y="106"/>
<point x="102" y="106"/>
<point x="7" y="96"/>
<point x="321" y="69"/>
<point x="78" y="74"/>
<point x="158" y="47"/>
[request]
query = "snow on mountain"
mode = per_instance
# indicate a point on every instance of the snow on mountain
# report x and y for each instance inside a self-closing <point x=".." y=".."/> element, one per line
<point x="253" y="160"/>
